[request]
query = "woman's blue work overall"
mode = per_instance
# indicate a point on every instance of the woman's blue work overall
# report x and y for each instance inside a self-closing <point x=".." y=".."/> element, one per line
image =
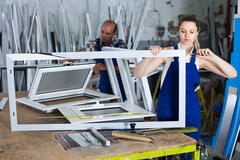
<point x="167" y="107"/>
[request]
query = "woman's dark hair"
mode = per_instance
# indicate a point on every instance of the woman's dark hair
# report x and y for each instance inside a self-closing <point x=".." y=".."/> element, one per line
<point x="189" y="19"/>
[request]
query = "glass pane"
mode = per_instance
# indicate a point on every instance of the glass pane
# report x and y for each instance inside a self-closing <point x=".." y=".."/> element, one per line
<point x="103" y="111"/>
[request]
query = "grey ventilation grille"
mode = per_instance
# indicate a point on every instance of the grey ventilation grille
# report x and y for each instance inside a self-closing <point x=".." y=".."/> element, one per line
<point x="62" y="80"/>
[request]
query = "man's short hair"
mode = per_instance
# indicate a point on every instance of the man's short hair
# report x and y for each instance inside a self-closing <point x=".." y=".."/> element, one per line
<point x="111" y="22"/>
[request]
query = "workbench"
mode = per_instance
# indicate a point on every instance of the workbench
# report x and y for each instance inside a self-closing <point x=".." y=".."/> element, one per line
<point x="43" y="145"/>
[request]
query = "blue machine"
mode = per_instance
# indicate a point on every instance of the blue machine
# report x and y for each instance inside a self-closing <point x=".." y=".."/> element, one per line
<point x="235" y="123"/>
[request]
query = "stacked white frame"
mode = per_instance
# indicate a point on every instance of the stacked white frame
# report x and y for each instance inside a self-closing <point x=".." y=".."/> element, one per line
<point x="75" y="114"/>
<point x="34" y="100"/>
<point x="11" y="58"/>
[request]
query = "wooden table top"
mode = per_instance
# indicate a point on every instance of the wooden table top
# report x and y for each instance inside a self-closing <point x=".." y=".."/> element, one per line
<point x="43" y="145"/>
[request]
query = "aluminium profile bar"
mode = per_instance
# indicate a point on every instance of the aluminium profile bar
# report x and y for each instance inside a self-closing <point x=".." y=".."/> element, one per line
<point x="109" y="13"/>
<point x="131" y="32"/>
<point x="20" y="9"/>
<point x="5" y="40"/>
<point x="113" y="78"/>
<point x="234" y="138"/>
<point x="99" y="30"/>
<point x="70" y="33"/>
<point x="238" y="9"/>
<point x="33" y="43"/>
<point x="15" y="37"/>
<point x="80" y="34"/>
<point x="56" y="35"/>
<point x="40" y="30"/>
<point x="119" y="8"/>
<point x="211" y="26"/>
<point x="120" y="27"/>
<point x="91" y="138"/>
<point x="80" y="139"/>
<point x="49" y="44"/>
<point x="89" y="26"/>
<point x="26" y="47"/>
<point x="60" y="27"/>
<point x="16" y="33"/>
<point x="32" y="23"/>
<point x="38" y="33"/>
<point x="65" y="29"/>
<point x="127" y="81"/>
<point x="3" y="103"/>
<point x="141" y="26"/>
<point x="226" y="120"/>
<point x="100" y="137"/>
<point x="9" y="17"/>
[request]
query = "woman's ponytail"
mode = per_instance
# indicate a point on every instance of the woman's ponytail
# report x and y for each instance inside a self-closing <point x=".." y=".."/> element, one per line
<point x="196" y="44"/>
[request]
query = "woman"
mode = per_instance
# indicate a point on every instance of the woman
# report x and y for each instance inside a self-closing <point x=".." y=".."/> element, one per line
<point x="196" y="59"/>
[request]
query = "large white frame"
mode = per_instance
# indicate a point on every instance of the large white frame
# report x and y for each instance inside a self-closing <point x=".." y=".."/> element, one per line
<point x="11" y="58"/>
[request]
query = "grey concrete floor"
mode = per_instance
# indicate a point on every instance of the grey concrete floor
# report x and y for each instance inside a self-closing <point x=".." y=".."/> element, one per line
<point x="212" y="156"/>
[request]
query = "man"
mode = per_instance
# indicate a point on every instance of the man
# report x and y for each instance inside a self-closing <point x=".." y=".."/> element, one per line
<point x="107" y="38"/>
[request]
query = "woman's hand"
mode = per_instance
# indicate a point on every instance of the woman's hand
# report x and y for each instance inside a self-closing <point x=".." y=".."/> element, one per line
<point x="205" y="53"/>
<point x="155" y="50"/>
<point x="211" y="62"/>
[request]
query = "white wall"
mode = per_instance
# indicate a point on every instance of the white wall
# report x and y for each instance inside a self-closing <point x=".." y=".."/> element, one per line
<point x="161" y="12"/>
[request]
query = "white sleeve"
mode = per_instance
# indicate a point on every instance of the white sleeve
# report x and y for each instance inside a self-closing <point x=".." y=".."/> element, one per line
<point x="197" y="62"/>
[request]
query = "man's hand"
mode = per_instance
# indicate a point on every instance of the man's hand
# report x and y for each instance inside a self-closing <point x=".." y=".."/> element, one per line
<point x="67" y="61"/>
<point x="81" y="50"/>
<point x="99" y="67"/>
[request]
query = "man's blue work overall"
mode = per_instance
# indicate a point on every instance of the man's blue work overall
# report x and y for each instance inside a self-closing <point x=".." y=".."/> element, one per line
<point x="104" y="82"/>
<point x="167" y="108"/>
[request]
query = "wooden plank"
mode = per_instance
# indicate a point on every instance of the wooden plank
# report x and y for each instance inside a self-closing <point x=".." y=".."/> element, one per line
<point x="131" y="136"/>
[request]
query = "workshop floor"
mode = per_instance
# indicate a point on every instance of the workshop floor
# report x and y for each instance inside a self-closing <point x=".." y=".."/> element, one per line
<point x="207" y="141"/>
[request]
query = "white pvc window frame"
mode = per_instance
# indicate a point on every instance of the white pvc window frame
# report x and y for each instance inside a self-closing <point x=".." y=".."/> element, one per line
<point x="11" y="58"/>
<point x="97" y="97"/>
<point x="34" y="100"/>
<point x="38" y="75"/>
<point x="76" y="114"/>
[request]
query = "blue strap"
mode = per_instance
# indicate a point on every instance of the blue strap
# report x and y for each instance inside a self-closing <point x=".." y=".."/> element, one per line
<point x="176" y="58"/>
<point x="193" y="56"/>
